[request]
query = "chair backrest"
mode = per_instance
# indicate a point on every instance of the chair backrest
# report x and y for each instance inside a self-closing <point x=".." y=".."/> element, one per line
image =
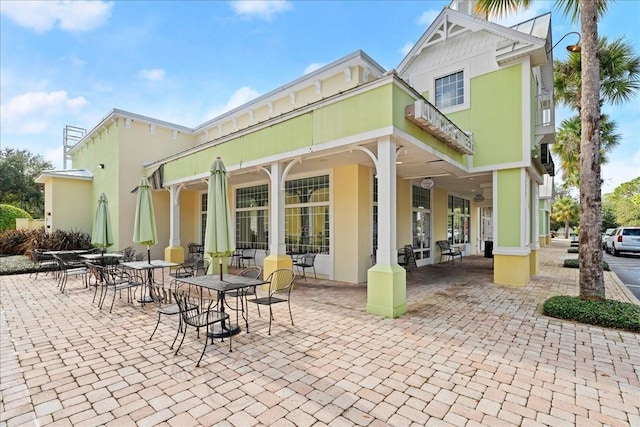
<point x="161" y="295"/>
<point x="409" y="258"/>
<point x="308" y="259"/>
<point x="138" y="257"/>
<point x="249" y="253"/>
<point x="281" y="280"/>
<point x="252" y="272"/>
<point x="182" y="300"/>
<point x="95" y="272"/>
<point x="444" y="245"/>
<point x="201" y="267"/>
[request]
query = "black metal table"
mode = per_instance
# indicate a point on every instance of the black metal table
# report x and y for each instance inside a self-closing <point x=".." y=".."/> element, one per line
<point x="229" y="282"/>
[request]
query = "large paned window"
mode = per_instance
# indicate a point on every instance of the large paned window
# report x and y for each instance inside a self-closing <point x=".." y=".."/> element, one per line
<point x="306" y="215"/>
<point x="203" y="215"/>
<point x="450" y="90"/>
<point x="459" y="217"/>
<point x="252" y="217"/>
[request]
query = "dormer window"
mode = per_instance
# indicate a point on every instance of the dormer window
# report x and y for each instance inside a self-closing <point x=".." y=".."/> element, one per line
<point x="450" y="90"/>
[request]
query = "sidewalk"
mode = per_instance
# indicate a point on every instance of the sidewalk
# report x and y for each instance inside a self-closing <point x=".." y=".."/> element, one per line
<point x="466" y="353"/>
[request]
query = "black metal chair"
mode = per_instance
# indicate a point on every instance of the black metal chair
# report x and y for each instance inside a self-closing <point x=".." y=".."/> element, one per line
<point x="242" y="294"/>
<point x="192" y="315"/>
<point x="44" y="263"/>
<point x="165" y="305"/>
<point x="118" y="280"/>
<point x="306" y="261"/>
<point x="67" y="269"/>
<point x="248" y="255"/>
<point x="407" y="259"/>
<point x="280" y="283"/>
<point x="449" y="251"/>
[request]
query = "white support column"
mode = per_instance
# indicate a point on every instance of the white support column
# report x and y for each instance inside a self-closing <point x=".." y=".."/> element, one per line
<point x="174" y="215"/>
<point x="277" y="244"/>
<point x="174" y="252"/>
<point x="278" y="257"/>
<point x="387" y="250"/>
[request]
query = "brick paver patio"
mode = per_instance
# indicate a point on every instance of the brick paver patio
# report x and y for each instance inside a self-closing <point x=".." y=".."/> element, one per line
<point x="466" y="353"/>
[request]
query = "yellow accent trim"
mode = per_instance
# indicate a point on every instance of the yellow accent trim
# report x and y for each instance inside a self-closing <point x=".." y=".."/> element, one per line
<point x="174" y="254"/>
<point x="275" y="262"/>
<point x="534" y="265"/>
<point x="511" y="270"/>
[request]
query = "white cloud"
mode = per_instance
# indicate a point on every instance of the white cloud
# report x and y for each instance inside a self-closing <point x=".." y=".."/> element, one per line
<point x="41" y="16"/>
<point x="239" y="97"/>
<point x="263" y="9"/>
<point x="155" y="75"/>
<point x="406" y="48"/>
<point x="28" y="113"/>
<point x="55" y="156"/>
<point x="427" y="17"/>
<point x="312" y="67"/>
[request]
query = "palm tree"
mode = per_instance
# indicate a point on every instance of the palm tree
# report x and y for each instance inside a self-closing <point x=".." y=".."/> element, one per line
<point x="619" y="75"/>
<point x="567" y="146"/>
<point x="590" y="240"/>
<point x="565" y="210"/>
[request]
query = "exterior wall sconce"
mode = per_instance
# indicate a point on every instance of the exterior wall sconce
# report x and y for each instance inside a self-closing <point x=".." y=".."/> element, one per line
<point x="573" y="48"/>
<point x="101" y="165"/>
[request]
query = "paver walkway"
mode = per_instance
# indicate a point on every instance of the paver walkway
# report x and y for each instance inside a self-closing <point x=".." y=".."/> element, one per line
<point x="466" y="353"/>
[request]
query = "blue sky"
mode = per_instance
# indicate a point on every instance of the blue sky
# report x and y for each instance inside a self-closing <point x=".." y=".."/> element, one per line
<point x="72" y="62"/>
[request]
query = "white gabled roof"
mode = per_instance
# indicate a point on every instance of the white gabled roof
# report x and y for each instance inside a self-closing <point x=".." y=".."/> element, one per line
<point x="451" y="23"/>
<point x="81" y="174"/>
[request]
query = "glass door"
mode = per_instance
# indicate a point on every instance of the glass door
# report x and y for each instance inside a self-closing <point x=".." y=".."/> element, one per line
<point x="421" y="239"/>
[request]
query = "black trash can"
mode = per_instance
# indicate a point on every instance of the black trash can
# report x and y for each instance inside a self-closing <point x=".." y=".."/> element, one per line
<point x="488" y="249"/>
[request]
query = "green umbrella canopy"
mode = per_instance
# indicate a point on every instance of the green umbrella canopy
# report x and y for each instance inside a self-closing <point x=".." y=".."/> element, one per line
<point x="144" y="230"/>
<point x="102" y="233"/>
<point x="219" y="239"/>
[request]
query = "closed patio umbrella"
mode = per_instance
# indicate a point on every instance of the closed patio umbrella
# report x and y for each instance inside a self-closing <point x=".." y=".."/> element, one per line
<point x="144" y="229"/>
<point x="218" y="238"/>
<point x="102" y="233"/>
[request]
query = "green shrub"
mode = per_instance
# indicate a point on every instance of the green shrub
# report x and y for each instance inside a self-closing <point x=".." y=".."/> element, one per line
<point x="573" y="250"/>
<point x="608" y="313"/>
<point x="575" y="263"/>
<point x="8" y="216"/>
<point x="21" y="242"/>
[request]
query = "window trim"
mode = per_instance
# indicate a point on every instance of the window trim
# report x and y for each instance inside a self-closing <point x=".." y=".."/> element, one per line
<point x="466" y="81"/>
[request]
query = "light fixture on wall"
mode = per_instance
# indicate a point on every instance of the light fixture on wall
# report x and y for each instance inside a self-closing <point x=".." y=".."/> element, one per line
<point x="427" y="183"/>
<point x="101" y="165"/>
<point x="478" y="198"/>
<point x="573" y="48"/>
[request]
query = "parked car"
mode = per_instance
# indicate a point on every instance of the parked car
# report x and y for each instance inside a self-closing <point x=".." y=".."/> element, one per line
<point x="605" y="236"/>
<point x="624" y="239"/>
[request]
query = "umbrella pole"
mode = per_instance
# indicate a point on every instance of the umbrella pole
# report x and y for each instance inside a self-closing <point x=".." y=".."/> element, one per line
<point x="220" y="266"/>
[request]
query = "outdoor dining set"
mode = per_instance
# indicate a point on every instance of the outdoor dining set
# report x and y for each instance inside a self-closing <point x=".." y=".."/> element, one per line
<point x="197" y="299"/>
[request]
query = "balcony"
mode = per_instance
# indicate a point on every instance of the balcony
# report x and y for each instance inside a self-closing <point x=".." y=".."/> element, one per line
<point x="427" y="117"/>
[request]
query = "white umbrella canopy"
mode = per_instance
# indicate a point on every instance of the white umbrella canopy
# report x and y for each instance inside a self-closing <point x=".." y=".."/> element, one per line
<point x="219" y="238"/>
<point x="144" y="230"/>
<point x="102" y="233"/>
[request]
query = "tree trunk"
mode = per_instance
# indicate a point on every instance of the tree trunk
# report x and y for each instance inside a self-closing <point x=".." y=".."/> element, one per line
<point x="591" y="274"/>
<point x="566" y="228"/>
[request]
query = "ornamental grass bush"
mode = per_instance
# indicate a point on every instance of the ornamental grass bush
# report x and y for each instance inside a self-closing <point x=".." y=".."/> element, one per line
<point x="607" y="313"/>
<point x="22" y="242"/>
<point x="575" y="263"/>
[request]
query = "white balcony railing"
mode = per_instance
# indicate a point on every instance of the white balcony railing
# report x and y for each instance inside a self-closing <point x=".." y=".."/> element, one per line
<point x="429" y="118"/>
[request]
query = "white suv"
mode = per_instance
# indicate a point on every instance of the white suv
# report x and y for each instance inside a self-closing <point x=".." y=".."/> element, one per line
<point x="624" y="239"/>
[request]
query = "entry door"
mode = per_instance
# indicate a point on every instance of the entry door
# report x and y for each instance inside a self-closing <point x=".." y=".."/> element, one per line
<point x="421" y="239"/>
